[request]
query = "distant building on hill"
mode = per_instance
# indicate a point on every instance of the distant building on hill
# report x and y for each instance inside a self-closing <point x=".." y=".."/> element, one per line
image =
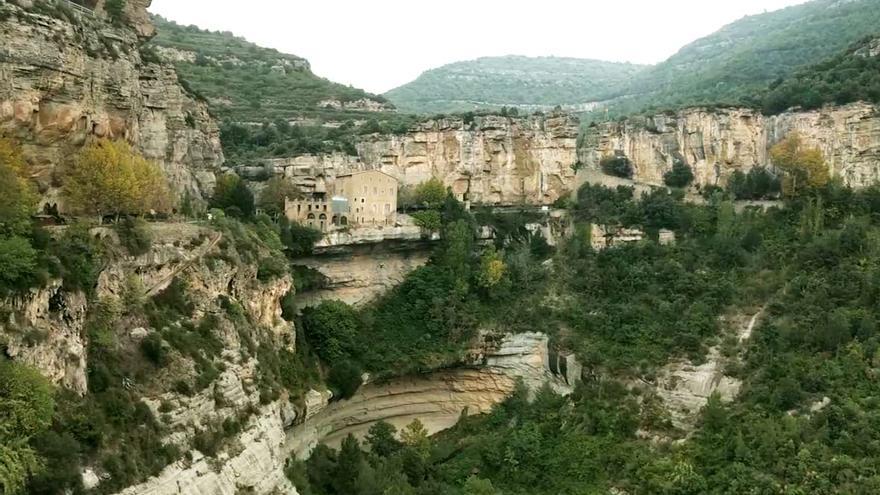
<point x="367" y="198"/>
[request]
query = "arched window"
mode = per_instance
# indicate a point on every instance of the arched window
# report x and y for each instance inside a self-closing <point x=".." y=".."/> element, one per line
<point x="343" y="221"/>
<point x="335" y="220"/>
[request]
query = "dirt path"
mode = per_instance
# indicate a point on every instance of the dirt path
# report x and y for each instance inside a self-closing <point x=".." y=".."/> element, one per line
<point x="166" y="281"/>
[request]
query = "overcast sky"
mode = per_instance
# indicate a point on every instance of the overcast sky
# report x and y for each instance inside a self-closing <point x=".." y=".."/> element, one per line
<point x="380" y="44"/>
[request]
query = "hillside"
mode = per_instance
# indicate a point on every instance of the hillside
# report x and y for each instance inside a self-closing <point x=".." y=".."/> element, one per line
<point x="249" y="83"/>
<point x="514" y="81"/>
<point x="731" y="65"/>
<point x="848" y="77"/>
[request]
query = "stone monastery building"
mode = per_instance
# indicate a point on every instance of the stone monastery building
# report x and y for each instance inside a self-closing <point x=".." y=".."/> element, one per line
<point x="367" y="198"/>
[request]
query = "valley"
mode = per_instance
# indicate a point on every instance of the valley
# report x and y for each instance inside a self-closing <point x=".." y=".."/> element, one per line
<point x="223" y="273"/>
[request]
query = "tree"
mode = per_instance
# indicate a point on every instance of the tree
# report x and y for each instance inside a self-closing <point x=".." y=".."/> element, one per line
<point x="232" y="195"/>
<point x="479" y="486"/>
<point x="680" y="176"/>
<point x="382" y="439"/>
<point x="26" y="408"/>
<point x="492" y="269"/>
<point x="348" y="465"/>
<point x="415" y="436"/>
<point x="804" y="167"/>
<point x="116" y="10"/>
<point x="276" y="191"/>
<point x="18" y="198"/>
<point x="618" y="166"/>
<point x="331" y="328"/>
<point x="109" y="177"/>
<point x="18" y="261"/>
<point x="430" y="194"/>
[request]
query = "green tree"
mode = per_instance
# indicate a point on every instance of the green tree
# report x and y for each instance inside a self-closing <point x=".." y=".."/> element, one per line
<point x="430" y="194"/>
<point x="26" y="408"/>
<point x="18" y="263"/>
<point x="332" y="329"/>
<point x="116" y="10"/>
<point x="617" y="166"/>
<point x="18" y="198"/>
<point x="415" y="436"/>
<point x="272" y="196"/>
<point x="479" y="486"/>
<point x="382" y="439"/>
<point x="348" y="466"/>
<point x="232" y="195"/>
<point x="680" y="176"/>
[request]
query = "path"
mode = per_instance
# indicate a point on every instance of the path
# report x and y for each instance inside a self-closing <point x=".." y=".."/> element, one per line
<point x="166" y="280"/>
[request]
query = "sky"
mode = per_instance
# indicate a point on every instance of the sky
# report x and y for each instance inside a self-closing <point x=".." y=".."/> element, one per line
<point x="378" y="45"/>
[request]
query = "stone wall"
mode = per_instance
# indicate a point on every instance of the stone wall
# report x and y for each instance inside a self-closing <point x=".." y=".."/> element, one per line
<point x="715" y="143"/>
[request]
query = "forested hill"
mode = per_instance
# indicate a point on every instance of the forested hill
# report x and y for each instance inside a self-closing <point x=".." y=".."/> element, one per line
<point x="737" y="63"/>
<point x="514" y="81"/>
<point x="246" y="82"/>
<point x="848" y="77"/>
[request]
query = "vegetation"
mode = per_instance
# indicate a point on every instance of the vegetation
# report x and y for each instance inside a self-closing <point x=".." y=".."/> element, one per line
<point x="618" y="166"/>
<point x="804" y="168"/>
<point x="758" y="183"/>
<point x="492" y="83"/>
<point x="273" y="195"/>
<point x="845" y="78"/>
<point x="635" y="307"/>
<point x="110" y="178"/>
<point x="233" y="196"/>
<point x="680" y="176"/>
<point x="735" y="65"/>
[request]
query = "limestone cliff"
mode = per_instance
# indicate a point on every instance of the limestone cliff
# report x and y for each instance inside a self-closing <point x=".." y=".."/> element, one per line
<point x="67" y="75"/>
<point x="491" y="160"/>
<point x="715" y="143"/>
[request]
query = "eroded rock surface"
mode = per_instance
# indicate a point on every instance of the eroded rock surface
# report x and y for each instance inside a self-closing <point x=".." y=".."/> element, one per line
<point x="63" y="81"/>
<point x="715" y="143"/>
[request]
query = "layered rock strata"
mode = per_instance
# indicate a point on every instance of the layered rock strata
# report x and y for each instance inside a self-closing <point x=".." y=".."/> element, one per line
<point x="715" y="143"/>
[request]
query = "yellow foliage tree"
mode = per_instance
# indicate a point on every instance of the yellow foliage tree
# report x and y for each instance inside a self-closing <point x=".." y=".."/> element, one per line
<point x="109" y="177"/>
<point x="492" y="269"/>
<point x="18" y="199"/>
<point x="804" y="167"/>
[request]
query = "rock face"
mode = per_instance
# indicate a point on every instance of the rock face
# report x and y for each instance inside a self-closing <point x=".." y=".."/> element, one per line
<point x="715" y="143"/>
<point x="69" y="78"/>
<point x="437" y="399"/>
<point x="492" y="160"/>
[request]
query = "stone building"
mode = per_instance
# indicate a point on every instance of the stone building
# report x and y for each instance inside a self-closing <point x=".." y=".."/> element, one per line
<point x="367" y="198"/>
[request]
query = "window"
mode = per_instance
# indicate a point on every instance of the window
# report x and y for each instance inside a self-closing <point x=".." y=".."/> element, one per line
<point x="299" y="208"/>
<point x="362" y="200"/>
<point x="375" y="190"/>
<point x="325" y="207"/>
<point x="310" y="207"/>
<point x="387" y="208"/>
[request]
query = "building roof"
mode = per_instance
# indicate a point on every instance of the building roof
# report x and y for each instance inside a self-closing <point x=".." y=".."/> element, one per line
<point x="349" y="174"/>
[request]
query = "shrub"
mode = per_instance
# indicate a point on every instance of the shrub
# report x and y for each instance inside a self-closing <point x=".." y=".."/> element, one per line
<point x="428" y="220"/>
<point x="345" y="379"/>
<point x="680" y="176"/>
<point x="430" y="194"/>
<point x="332" y="329"/>
<point x="153" y="348"/>
<point x="79" y="254"/>
<point x="135" y="236"/>
<point x="18" y="261"/>
<point x="271" y="267"/>
<point x="618" y="166"/>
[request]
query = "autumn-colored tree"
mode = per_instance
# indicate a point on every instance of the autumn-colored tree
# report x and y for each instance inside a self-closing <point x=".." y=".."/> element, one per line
<point x="276" y="191"/>
<point x="492" y="269"/>
<point x="18" y="199"/>
<point x="804" y="167"/>
<point x="110" y="178"/>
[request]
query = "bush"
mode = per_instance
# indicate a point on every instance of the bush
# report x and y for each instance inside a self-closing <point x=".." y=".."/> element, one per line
<point x="759" y="183"/>
<point x="297" y="239"/>
<point x="153" y="348"/>
<point x="272" y="267"/>
<point x="680" y="176"/>
<point x="18" y="261"/>
<point x="344" y="379"/>
<point x="428" y="220"/>
<point x="332" y="329"/>
<point x="618" y="166"/>
<point x="135" y="236"/>
<point x="80" y="255"/>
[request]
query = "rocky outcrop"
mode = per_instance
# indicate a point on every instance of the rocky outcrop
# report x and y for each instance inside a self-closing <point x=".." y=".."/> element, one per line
<point x="68" y="77"/>
<point x="715" y="143"/>
<point x="490" y="160"/>
<point x="360" y="274"/>
<point x="440" y="398"/>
